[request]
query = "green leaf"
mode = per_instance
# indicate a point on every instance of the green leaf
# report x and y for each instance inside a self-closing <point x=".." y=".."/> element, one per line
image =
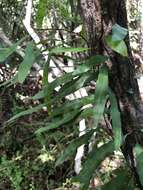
<point x="116" y="40"/>
<point x="97" y="59"/>
<point x="120" y="182"/>
<point x="72" y="86"/>
<point x="68" y="87"/>
<point x="100" y="95"/>
<point x="39" y="95"/>
<point x="46" y="84"/>
<point x="87" y="112"/>
<point x="26" y="112"/>
<point x="57" y="82"/>
<point x="73" y="105"/>
<point x="119" y="33"/>
<point x="59" y="50"/>
<point x="61" y="80"/>
<point x="118" y="46"/>
<point x="41" y="13"/>
<point x="72" y="147"/>
<point x="59" y="122"/>
<point x="94" y="159"/>
<point x="7" y="82"/>
<point x="10" y="82"/>
<point x="116" y="120"/>
<point x="6" y="52"/>
<point x="66" y="78"/>
<point x="81" y="69"/>
<point x="25" y="66"/>
<point x="139" y="161"/>
<point x="93" y="61"/>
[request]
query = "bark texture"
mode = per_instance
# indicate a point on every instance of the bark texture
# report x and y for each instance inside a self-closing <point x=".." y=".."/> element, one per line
<point x="140" y="9"/>
<point x="99" y="16"/>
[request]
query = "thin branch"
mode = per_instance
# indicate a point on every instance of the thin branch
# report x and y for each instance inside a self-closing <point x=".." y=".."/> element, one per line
<point x="32" y="33"/>
<point x="62" y="29"/>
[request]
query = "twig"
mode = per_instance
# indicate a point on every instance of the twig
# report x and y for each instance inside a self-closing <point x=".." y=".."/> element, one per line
<point x="34" y="36"/>
<point x="62" y="29"/>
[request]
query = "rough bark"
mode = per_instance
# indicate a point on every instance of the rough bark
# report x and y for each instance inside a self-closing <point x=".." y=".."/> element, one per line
<point x="99" y="16"/>
<point x="141" y="27"/>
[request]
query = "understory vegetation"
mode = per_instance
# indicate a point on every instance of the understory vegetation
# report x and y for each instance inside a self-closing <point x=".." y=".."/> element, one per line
<point x="66" y="114"/>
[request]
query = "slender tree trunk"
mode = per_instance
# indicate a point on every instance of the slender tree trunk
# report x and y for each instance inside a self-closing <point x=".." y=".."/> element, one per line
<point x="99" y="16"/>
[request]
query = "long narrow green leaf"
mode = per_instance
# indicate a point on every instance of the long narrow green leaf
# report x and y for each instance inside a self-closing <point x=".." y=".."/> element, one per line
<point x="139" y="161"/>
<point x="25" y="66"/>
<point x="62" y="80"/>
<point x="39" y="95"/>
<point x="89" y="63"/>
<point x="6" y="52"/>
<point x="26" y="112"/>
<point x="96" y="59"/>
<point x="59" y="50"/>
<point x="57" y="123"/>
<point x="72" y="147"/>
<point x="69" y="76"/>
<point x="96" y="156"/>
<point x="6" y="83"/>
<point x="41" y="13"/>
<point x="120" y="182"/>
<point x="46" y="84"/>
<point x="73" y="105"/>
<point x="10" y="82"/>
<point x="67" y="80"/>
<point x="87" y="112"/>
<point x="100" y="95"/>
<point x="72" y="86"/>
<point x="116" y="120"/>
<point x="57" y="82"/>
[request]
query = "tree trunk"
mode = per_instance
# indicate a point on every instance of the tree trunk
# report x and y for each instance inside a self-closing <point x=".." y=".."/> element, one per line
<point x="99" y="17"/>
<point x="141" y="27"/>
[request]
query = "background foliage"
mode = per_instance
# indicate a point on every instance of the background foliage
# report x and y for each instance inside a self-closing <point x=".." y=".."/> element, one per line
<point x="40" y="110"/>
